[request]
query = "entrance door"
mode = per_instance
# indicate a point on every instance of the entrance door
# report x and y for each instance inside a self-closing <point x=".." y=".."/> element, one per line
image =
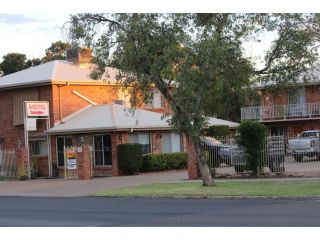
<point x="62" y="144"/>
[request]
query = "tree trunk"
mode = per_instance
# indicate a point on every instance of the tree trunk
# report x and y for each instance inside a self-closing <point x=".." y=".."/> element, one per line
<point x="203" y="165"/>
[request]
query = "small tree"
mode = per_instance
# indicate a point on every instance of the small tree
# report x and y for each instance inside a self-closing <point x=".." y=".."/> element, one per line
<point x="252" y="137"/>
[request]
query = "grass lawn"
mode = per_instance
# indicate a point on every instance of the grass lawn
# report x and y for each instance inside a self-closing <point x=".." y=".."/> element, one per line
<point x="5" y="178"/>
<point x="245" y="188"/>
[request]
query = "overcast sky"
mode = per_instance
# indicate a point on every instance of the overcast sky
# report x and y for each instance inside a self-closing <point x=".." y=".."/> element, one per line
<point x="30" y="34"/>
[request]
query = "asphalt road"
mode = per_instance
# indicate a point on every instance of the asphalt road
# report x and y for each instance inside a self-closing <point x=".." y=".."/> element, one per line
<point x="112" y="212"/>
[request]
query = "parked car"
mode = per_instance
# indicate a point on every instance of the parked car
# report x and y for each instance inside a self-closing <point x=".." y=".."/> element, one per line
<point x="215" y="150"/>
<point x="274" y="156"/>
<point x="306" y="144"/>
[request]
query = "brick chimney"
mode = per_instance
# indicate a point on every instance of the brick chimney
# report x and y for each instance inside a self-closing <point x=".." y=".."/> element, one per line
<point x="79" y="56"/>
<point x="85" y="56"/>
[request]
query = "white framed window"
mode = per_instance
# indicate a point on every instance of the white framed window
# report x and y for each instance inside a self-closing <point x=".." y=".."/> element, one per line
<point x="156" y="101"/>
<point x="171" y="142"/>
<point x="102" y="150"/>
<point x="39" y="147"/>
<point x="143" y="139"/>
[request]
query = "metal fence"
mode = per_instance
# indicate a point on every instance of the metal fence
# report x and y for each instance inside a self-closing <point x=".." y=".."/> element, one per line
<point x="228" y="158"/>
<point x="8" y="164"/>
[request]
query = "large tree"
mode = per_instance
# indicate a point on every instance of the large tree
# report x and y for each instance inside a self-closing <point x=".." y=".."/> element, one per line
<point x="57" y="51"/>
<point x="13" y="62"/>
<point x="201" y="55"/>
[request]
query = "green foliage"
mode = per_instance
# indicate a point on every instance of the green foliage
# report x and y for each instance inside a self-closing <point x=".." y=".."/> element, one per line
<point x="13" y="62"/>
<point x="57" y="51"/>
<point x="217" y="131"/>
<point x="34" y="164"/>
<point x="252" y="136"/>
<point x="129" y="158"/>
<point x="164" y="161"/>
<point x="32" y="62"/>
<point x="22" y="172"/>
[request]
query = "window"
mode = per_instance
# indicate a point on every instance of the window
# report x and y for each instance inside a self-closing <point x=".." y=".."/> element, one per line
<point x="297" y="101"/>
<point x="39" y="148"/>
<point x="102" y="150"/>
<point x="171" y="142"/>
<point x="143" y="139"/>
<point x="62" y="143"/>
<point x="156" y="101"/>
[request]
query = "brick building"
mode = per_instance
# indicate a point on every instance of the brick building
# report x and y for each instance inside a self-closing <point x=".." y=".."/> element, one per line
<point x="83" y="113"/>
<point x="288" y="111"/>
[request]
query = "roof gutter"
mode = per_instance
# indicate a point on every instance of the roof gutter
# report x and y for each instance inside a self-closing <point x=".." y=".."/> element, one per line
<point x="76" y="131"/>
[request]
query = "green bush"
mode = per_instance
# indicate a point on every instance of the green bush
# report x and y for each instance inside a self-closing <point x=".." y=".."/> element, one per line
<point x="217" y="131"/>
<point x="129" y="158"/>
<point x="252" y="136"/>
<point x="164" y="161"/>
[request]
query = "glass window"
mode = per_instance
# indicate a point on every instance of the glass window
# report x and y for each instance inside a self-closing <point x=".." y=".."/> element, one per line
<point x="156" y="101"/>
<point x="166" y="142"/>
<point x="62" y="143"/>
<point x="143" y="139"/>
<point x="39" y="148"/>
<point x="171" y="142"/>
<point x="102" y="150"/>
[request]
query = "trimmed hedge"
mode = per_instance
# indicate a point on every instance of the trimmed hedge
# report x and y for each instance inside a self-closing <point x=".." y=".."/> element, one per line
<point x="163" y="161"/>
<point x="129" y="158"/>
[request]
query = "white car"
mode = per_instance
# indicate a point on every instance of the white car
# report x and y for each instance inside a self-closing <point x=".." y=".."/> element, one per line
<point x="306" y="144"/>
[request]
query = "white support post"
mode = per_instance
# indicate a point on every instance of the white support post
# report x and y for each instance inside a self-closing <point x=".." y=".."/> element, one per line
<point x="26" y="138"/>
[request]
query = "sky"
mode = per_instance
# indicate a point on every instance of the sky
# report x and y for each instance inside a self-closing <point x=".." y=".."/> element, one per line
<point x="29" y="27"/>
<point x="30" y="34"/>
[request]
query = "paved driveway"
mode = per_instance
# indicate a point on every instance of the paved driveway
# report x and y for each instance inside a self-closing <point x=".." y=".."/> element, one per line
<point x="76" y="188"/>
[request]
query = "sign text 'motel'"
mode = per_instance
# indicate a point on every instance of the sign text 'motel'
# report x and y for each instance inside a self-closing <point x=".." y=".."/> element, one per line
<point x="37" y="109"/>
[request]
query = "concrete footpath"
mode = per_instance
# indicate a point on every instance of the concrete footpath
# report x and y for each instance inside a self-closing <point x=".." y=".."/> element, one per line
<point x="78" y="188"/>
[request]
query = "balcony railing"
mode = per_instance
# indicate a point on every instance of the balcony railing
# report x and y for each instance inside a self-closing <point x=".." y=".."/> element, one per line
<point x="281" y="112"/>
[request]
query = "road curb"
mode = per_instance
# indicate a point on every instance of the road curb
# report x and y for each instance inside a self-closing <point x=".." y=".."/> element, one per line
<point x="216" y="197"/>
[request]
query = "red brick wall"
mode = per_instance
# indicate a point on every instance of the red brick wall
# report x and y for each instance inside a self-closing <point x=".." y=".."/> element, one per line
<point x="13" y="134"/>
<point x="193" y="170"/>
<point x="269" y="98"/>
<point x="71" y="102"/>
<point x="156" y="141"/>
<point x="312" y="94"/>
<point x="296" y="127"/>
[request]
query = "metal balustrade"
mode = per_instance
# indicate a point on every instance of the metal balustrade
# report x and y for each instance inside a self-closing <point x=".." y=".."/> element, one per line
<point x="281" y="112"/>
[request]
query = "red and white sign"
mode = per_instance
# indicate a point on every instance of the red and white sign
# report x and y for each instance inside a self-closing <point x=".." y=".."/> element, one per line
<point x="37" y="109"/>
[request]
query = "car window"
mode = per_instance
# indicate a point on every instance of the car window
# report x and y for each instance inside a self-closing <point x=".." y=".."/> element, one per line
<point x="309" y="134"/>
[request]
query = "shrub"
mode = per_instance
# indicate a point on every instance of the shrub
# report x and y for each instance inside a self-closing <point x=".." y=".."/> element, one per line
<point x="252" y="136"/>
<point x="164" y="161"/>
<point x="129" y="158"/>
<point x="217" y="131"/>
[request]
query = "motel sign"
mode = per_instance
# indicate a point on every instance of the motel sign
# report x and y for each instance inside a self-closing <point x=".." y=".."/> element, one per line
<point x="37" y="109"/>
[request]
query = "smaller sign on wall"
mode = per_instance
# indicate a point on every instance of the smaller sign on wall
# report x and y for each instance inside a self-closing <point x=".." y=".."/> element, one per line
<point x="32" y="124"/>
<point x="37" y="109"/>
<point x="71" y="159"/>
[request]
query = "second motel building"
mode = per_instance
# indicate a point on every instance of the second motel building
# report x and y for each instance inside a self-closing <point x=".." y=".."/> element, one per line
<point x="85" y="112"/>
